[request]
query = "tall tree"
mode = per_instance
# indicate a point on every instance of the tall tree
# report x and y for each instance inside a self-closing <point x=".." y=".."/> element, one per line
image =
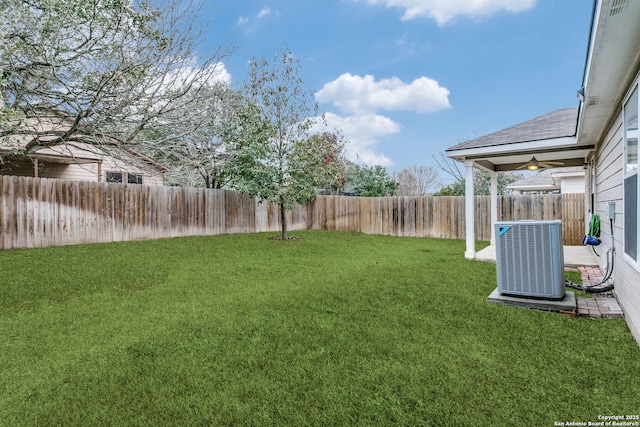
<point x="277" y="159"/>
<point x="202" y="157"/>
<point x="369" y="181"/>
<point x="482" y="182"/>
<point x="416" y="180"/>
<point x="113" y="68"/>
<point x="330" y="146"/>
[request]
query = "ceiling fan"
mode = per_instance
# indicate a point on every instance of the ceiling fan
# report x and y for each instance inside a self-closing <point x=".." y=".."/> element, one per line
<point x="534" y="164"/>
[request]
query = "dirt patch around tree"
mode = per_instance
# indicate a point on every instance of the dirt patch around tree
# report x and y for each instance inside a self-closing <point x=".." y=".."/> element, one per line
<point x="288" y="238"/>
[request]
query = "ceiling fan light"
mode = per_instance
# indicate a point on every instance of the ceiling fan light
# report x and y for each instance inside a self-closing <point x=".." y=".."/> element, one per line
<point x="533" y="164"/>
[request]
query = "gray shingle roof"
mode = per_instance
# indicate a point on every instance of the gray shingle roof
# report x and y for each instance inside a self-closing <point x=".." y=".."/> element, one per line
<point x="543" y="180"/>
<point x="539" y="180"/>
<point x="556" y="124"/>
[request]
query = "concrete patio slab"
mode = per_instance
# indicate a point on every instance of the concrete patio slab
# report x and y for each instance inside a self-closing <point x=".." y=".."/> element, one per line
<point x="599" y="306"/>
<point x="567" y="304"/>
<point x="574" y="256"/>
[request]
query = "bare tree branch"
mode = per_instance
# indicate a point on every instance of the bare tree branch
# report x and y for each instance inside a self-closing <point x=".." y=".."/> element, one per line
<point x="416" y="181"/>
<point x="114" y="68"/>
<point x="450" y="167"/>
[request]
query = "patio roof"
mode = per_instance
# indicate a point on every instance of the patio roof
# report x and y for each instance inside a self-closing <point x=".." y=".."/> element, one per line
<point x="610" y="67"/>
<point x="556" y="124"/>
<point x="550" y="137"/>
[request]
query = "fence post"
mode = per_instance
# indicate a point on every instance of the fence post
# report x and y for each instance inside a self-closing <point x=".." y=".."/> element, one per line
<point x="40" y="212"/>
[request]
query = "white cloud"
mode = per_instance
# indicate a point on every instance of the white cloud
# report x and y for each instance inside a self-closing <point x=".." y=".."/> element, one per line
<point x="363" y="132"/>
<point x="354" y="94"/>
<point x="264" y="12"/>
<point x="216" y="73"/>
<point x="221" y="74"/>
<point x="443" y="11"/>
<point x="361" y="97"/>
<point x="190" y="73"/>
<point x="252" y="24"/>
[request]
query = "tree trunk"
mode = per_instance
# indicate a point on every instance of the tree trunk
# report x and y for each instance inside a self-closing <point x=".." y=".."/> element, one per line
<point x="283" y="221"/>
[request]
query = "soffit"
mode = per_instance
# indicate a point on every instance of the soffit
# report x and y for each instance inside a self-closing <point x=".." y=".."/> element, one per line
<point x="613" y="58"/>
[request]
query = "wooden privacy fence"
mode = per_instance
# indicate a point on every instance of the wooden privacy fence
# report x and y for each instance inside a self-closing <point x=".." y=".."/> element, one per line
<point x="39" y="212"/>
<point x="569" y="208"/>
<point x="47" y="212"/>
<point x="444" y="217"/>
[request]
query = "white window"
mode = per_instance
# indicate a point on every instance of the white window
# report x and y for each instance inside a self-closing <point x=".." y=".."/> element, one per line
<point x="114" y="176"/>
<point x="133" y="178"/>
<point x="129" y="178"/>
<point x="631" y="199"/>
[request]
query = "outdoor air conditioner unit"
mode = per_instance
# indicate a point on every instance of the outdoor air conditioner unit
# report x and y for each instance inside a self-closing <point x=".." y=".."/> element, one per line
<point x="529" y="259"/>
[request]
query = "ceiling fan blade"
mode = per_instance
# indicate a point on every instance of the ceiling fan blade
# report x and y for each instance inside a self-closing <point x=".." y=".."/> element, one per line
<point x="523" y="166"/>
<point x="550" y="164"/>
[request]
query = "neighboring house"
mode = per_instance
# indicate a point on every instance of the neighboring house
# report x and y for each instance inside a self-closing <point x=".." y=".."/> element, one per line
<point x="560" y="179"/>
<point x="602" y="134"/>
<point x="83" y="158"/>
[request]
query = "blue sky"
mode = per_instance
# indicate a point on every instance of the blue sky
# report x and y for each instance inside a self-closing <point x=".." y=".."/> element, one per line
<point x="406" y="79"/>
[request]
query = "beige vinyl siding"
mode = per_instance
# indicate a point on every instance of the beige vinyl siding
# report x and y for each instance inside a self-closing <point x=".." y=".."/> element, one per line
<point x="110" y="164"/>
<point x="572" y="185"/>
<point x="88" y="166"/>
<point x="153" y="180"/>
<point x="77" y="161"/>
<point x="84" y="172"/>
<point x="608" y="188"/>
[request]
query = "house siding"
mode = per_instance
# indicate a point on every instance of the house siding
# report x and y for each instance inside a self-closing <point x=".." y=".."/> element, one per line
<point x="608" y="178"/>
<point x="85" y="172"/>
<point x="572" y="185"/>
<point x="114" y="165"/>
<point x="88" y="169"/>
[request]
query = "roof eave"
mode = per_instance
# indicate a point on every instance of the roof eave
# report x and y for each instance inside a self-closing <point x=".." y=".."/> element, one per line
<point x="613" y="61"/>
<point x="533" y="187"/>
<point x="512" y="148"/>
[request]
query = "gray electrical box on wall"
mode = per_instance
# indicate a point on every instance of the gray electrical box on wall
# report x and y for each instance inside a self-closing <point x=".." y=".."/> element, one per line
<point x="610" y="210"/>
<point x="529" y="259"/>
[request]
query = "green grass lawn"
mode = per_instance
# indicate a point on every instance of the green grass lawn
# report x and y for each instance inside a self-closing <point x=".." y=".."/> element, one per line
<point x="335" y="329"/>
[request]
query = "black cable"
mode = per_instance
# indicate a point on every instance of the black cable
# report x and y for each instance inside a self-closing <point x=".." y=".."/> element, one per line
<point x="607" y="288"/>
<point x="608" y="271"/>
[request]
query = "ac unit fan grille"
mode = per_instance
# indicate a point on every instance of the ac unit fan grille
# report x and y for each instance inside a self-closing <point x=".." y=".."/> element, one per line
<point x="529" y="259"/>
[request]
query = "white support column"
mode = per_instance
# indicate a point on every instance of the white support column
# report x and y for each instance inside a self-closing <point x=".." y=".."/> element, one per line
<point x="494" y="205"/>
<point x="469" y="211"/>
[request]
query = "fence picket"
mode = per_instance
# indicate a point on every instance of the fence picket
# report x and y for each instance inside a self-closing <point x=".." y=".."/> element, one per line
<point x="40" y="212"/>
